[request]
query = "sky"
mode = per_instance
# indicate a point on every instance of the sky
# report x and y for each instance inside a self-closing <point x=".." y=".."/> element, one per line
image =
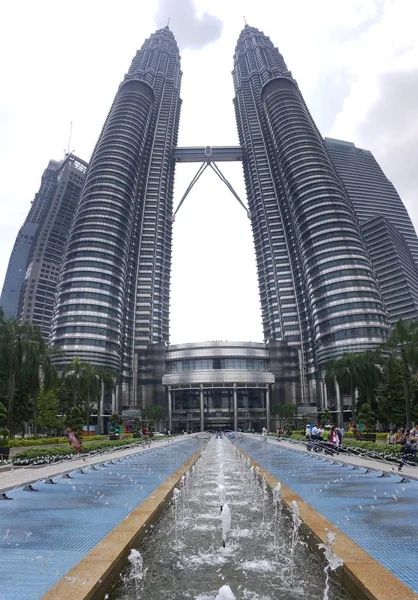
<point x="356" y="62"/>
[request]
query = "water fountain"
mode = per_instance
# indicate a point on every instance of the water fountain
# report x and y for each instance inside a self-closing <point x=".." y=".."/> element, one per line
<point x="225" y="593"/>
<point x="332" y="563"/>
<point x="262" y="559"/>
<point x="226" y="522"/>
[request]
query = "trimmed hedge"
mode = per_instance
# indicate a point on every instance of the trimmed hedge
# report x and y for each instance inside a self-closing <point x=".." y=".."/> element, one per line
<point x="50" y="455"/>
<point x="48" y="441"/>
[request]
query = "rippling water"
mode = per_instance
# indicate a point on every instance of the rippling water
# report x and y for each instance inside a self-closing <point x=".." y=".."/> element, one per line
<point x="183" y="557"/>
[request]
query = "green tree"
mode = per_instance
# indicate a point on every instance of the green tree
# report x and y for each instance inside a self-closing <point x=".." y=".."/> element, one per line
<point x="114" y="420"/>
<point x="153" y="412"/>
<point x="41" y="374"/>
<point x="48" y="410"/>
<point x="91" y="388"/>
<point x="327" y="418"/>
<point x="3" y="415"/>
<point x="286" y="411"/>
<point x="19" y="347"/>
<point x="352" y="371"/>
<point x="73" y="376"/>
<point x="107" y="382"/>
<point x="390" y="396"/>
<point x="402" y="343"/>
<point x="74" y="419"/>
<point x="366" y="417"/>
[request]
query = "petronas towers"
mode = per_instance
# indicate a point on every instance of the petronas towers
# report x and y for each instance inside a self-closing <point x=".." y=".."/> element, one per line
<point x="318" y="290"/>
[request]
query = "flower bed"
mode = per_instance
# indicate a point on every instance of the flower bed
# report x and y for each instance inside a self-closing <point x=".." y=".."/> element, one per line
<point x="35" y="456"/>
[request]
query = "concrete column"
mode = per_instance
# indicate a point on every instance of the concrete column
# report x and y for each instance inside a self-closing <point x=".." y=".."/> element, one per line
<point x="202" y="410"/>
<point x="100" y="411"/>
<point x="340" y="405"/>
<point x="235" y="407"/>
<point x="114" y="399"/>
<point x="170" y="410"/>
<point x="268" y="408"/>
<point x="324" y="387"/>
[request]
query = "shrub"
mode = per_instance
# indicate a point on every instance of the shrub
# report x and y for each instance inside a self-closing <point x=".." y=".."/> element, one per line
<point x="4" y="435"/>
<point x="48" y="441"/>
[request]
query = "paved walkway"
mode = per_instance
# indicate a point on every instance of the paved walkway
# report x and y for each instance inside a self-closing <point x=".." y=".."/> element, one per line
<point x="19" y="476"/>
<point x="373" y="505"/>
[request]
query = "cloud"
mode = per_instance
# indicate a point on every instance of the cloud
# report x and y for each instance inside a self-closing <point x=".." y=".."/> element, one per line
<point x="331" y="88"/>
<point x="190" y="30"/>
<point x="390" y="127"/>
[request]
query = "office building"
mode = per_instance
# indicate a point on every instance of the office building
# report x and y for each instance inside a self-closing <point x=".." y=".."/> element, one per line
<point x="16" y="270"/>
<point x="386" y="226"/>
<point x="32" y="275"/>
<point x="44" y="262"/>
<point x="370" y="191"/>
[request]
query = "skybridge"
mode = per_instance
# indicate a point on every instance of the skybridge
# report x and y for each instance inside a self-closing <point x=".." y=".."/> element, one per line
<point x="209" y="156"/>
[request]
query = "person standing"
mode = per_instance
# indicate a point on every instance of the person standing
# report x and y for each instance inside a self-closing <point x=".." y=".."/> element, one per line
<point x="410" y="448"/>
<point x="74" y="441"/>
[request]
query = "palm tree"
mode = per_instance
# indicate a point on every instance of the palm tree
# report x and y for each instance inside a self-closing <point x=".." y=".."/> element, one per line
<point x="91" y="388"/>
<point x="108" y="381"/>
<point x="42" y="374"/>
<point x="74" y="376"/>
<point x="19" y="346"/>
<point x="402" y="344"/>
<point x="347" y="373"/>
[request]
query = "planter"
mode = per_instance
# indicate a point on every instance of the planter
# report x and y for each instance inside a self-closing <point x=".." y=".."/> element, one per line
<point x="114" y="437"/>
<point x="4" y="452"/>
<point x="368" y="437"/>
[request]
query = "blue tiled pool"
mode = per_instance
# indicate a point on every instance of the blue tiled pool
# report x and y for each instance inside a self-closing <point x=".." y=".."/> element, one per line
<point x="378" y="513"/>
<point x="44" y="534"/>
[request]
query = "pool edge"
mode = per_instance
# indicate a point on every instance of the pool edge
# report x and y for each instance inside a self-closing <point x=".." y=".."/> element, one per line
<point x="91" y="577"/>
<point x="363" y="577"/>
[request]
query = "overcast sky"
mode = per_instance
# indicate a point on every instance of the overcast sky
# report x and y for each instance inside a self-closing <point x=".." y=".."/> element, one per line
<point x="356" y="62"/>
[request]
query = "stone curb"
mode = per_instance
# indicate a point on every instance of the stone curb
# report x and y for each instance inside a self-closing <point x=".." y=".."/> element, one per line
<point x="361" y="575"/>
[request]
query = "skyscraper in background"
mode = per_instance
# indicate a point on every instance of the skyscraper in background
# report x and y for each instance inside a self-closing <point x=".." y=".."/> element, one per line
<point x="370" y="191"/>
<point x="388" y="231"/>
<point x="317" y="286"/>
<point x="16" y="270"/>
<point x="32" y="275"/>
<point x="41" y="279"/>
<point x="113" y="299"/>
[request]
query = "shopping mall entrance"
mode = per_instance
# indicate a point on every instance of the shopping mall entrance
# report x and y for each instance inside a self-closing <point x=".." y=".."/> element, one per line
<point x="218" y="409"/>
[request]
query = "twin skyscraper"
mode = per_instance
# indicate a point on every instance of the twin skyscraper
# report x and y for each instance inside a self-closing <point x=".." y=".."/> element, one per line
<point x="319" y="292"/>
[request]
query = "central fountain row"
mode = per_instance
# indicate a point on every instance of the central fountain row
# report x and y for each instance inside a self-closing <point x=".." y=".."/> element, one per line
<point x="227" y="536"/>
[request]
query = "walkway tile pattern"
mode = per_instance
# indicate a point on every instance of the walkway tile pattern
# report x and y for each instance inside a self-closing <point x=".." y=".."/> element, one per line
<point x="43" y="534"/>
<point x="378" y="513"/>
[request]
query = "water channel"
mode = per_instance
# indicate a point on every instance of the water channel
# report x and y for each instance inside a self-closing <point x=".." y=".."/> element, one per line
<point x="264" y="558"/>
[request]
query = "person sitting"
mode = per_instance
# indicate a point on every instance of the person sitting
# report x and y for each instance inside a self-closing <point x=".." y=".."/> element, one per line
<point x="391" y="438"/>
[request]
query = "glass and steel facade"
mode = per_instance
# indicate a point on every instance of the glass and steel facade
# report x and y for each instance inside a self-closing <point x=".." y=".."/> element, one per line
<point x="16" y="270"/>
<point x="219" y="385"/>
<point x="370" y="191"/>
<point x="318" y="289"/>
<point x="44" y="263"/>
<point x="386" y="226"/>
<point x="395" y="267"/>
<point x="113" y="297"/>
